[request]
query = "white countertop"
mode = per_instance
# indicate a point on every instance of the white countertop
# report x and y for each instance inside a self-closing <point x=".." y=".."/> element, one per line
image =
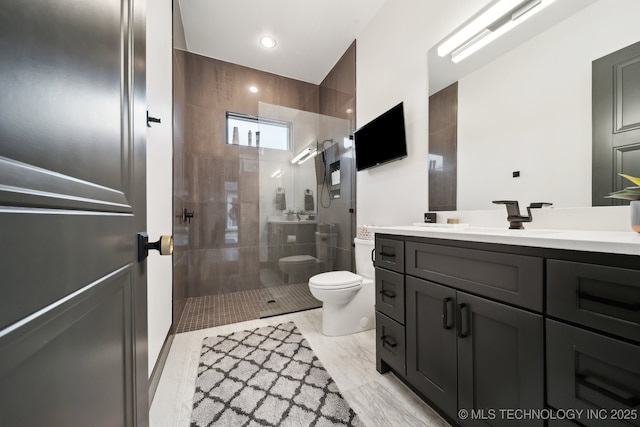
<point x="619" y="242"/>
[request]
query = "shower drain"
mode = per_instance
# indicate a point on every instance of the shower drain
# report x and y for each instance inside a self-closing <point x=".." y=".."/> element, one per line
<point x="271" y="301"/>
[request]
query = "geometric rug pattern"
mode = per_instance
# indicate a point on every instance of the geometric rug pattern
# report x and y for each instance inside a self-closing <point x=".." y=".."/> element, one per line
<point x="267" y="376"/>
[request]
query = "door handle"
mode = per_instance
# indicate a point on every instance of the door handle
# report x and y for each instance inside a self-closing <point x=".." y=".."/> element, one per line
<point x="608" y="301"/>
<point x="445" y="313"/>
<point x="388" y="341"/>
<point x="601" y="387"/>
<point x="164" y="245"/>
<point x="463" y="333"/>
<point x="387" y="293"/>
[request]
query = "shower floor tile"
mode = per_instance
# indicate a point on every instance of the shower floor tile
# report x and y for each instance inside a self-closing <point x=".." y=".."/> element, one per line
<point x="215" y="310"/>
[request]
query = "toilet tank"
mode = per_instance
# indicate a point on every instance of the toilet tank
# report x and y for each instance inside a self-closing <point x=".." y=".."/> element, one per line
<point x="364" y="265"/>
<point x="326" y="246"/>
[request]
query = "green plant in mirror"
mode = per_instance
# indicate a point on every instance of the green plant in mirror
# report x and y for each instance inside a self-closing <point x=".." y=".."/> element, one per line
<point x="629" y="193"/>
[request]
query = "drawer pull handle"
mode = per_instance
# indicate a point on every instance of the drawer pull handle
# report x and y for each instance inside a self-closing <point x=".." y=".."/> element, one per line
<point x="598" y="386"/>
<point x="463" y="333"/>
<point x="373" y="251"/>
<point x="388" y="294"/>
<point x="607" y="301"/>
<point x="445" y="313"/>
<point x="386" y="341"/>
<point x="387" y="255"/>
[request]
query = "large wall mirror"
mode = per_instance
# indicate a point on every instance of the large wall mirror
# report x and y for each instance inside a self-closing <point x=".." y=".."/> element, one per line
<point x="524" y="104"/>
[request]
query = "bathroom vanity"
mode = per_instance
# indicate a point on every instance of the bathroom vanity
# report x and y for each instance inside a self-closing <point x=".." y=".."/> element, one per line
<point x="287" y="238"/>
<point x="512" y="327"/>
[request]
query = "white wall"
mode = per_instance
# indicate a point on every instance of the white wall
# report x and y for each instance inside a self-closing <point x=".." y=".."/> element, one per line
<point x="391" y="57"/>
<point x="530" y="111"/>
<point x="392" y="67"/>
<point x="159" y="171"/>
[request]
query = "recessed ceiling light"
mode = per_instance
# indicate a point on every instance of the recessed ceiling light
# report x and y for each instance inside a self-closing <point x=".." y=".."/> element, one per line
<point x="253" y="89"/>
<point x="267" y="42"/>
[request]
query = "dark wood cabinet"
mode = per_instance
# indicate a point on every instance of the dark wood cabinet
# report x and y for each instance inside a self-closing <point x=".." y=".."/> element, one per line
<point x="389" y="254"/>
<point x="431" y="342"/>
<point x="601" y="297"/>
<point x="390" y="345"/>
<point x="514" y="279"/>
<point x="390" y="305"/>
<point x="390" y="294"/>
<point x="589" y="371"/>
<point x="500" y="359"/>
<point x="493" y="328"/>
<point x="288" y="238"/>
<point x="456" y="344"/>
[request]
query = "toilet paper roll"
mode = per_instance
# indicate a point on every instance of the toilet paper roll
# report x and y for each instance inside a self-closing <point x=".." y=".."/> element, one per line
<point x="291" y="238"/>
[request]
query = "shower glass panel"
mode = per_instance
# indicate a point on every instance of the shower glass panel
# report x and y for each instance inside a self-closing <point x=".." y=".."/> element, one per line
<point x="306" y="204"/>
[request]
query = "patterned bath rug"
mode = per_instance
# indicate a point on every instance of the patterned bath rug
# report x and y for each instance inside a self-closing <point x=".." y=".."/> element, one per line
<point x="267" y="376"/>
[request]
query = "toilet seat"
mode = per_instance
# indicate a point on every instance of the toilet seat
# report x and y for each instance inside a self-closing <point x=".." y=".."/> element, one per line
<point x="298" y="259"/>
<point x="336" y="280"/>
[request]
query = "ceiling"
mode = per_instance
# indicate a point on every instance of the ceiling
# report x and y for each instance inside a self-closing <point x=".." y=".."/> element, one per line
<point x="311" y="35"/>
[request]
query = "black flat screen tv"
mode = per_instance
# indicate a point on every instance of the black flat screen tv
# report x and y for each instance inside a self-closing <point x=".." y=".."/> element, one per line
<point x="381" y="140"/>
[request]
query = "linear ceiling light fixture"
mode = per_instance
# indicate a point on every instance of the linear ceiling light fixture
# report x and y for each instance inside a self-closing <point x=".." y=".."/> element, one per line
<point x="501" y="17"/>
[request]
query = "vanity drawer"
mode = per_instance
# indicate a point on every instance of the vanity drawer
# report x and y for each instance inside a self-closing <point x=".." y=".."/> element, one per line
<point x="390" y="294"/>
<point x="390" y="254"/>
<point x="390" y="343"/>
<point x="604" y="298"/>
<point x="514" y="279"/>
<point x="586" y="370"/>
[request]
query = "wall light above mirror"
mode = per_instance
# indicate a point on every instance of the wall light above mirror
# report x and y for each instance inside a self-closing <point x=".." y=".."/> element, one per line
<point x="492" y="22"/>
<point x="443" y="71"/>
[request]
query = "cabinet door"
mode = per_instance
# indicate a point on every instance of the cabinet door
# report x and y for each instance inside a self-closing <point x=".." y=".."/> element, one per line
<point x="390" y="345"/>
<point x="500" y="359"/>
<point x="514" y="279"/>
<point x="597" y="296"/>
<point x="431" y="342"/>
<point x="591" y="372"/>
<point x="390" y="254"/>
<point x="390" y="294"/>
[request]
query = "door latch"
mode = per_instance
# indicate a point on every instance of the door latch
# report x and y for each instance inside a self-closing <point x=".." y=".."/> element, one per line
<point x="164" y="245"/>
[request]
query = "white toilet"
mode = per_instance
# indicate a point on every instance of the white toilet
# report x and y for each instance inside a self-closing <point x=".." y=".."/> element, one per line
<point x="348" y="299"/>
<point x="299" y="268"/>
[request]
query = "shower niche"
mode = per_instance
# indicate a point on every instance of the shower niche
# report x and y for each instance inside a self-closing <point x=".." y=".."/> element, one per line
<point x="334" y="180"/>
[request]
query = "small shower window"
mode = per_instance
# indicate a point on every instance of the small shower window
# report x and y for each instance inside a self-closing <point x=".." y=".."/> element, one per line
<point x="258" y="132"/>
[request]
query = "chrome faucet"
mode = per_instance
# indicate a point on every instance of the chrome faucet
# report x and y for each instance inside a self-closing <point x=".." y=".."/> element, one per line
<point x="513" y="212"/>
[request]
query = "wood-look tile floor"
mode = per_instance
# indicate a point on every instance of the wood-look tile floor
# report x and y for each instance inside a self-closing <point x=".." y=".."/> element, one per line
<point x="379" y="400"/>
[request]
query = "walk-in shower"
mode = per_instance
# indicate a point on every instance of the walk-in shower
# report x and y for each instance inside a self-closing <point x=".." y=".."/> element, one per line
<point x="267" y="181"/>
<point x="306" y="204"/>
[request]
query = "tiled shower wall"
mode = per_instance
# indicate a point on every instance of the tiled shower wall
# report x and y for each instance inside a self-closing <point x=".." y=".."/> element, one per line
<point x="217" y="262"/>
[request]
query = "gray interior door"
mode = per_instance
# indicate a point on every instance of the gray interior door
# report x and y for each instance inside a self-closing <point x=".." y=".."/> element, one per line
<point x="616" y="122"/>
<point x="72" y="198"/>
